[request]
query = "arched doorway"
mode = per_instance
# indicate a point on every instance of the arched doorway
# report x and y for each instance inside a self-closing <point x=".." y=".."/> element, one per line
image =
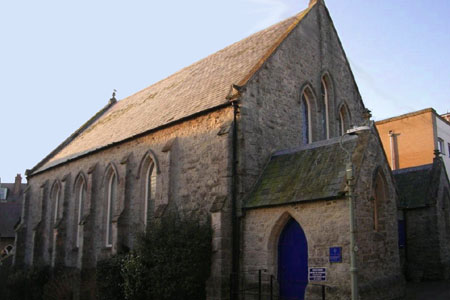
<point x="292" y="262"/>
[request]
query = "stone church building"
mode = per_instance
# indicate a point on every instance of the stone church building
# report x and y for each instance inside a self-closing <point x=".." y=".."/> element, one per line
<point x="248" y="138"/>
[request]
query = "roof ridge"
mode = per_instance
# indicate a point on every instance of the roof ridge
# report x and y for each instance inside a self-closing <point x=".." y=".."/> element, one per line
<point x="75" y="134"/>
<point x="314" y="145"/>
<point x="234" y="64"/>
<point x="405" y="115"/>
<point x="412" y="169"/>
<point x="298" y="17"/>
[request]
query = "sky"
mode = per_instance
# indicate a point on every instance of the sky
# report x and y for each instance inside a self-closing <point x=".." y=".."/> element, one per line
<point x="61" y="60"/>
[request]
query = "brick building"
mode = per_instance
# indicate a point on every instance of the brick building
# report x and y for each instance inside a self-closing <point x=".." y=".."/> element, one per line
<point x="248" y="138"/>
<point x="410" y="139"/>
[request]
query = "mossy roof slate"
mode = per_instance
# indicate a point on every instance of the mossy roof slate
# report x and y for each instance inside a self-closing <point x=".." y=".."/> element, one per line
<point x="199" y="87"/>
<point x="312" y="172"/>
<point x="413" y="185"/>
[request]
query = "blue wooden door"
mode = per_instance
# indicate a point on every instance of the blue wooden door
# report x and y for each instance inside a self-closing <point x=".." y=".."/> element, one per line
<point x="292" y="262"/>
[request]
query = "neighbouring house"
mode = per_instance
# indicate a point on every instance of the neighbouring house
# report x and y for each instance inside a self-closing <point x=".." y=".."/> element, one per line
<point x="410" y="139"/>
<point x="10" y="211"/>
<point x="424" y="193"/>
<point x="417" y="145"/>
<point x="249" y="138"/>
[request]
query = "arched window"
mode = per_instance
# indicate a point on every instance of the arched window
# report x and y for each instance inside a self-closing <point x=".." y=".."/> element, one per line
<point x="150" y="189"/>
<point x="80" y="201"/>
<point x="344" y="119"/>
<point x="325" y="110"/>
<point x="56" y="195"/>
<point x="112" y="200"/>
<point x="379" y="199"/>
<point x="305" y="109"/>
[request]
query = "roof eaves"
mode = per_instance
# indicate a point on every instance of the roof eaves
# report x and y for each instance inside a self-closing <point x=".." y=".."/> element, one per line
<point x="330" y="198"/>
<point x="407" y="115"/>
<point x="70" y="138"/>
<point x="37" y="171"/>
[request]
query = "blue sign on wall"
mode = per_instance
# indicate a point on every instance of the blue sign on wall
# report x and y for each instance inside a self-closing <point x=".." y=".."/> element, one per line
<point x="335" y="254"/>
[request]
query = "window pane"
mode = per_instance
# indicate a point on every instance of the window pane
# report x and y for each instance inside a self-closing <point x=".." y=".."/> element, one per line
<point x="441" y="145"/>
<point x="325" y="110"/>
<point x="111" y="206"/>
<point x="56" y="201"/>
<point x="81" y="196"/>
<point x="305" y="119"/>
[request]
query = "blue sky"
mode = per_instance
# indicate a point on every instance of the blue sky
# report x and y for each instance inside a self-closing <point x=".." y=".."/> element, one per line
<point x="60" y="60"/>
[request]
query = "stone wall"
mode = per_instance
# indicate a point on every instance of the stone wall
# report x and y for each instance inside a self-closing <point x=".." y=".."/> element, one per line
<point x="326" y="224"/>
<point x="270" y="116"/>
<point x="270" y="120"/>
<point x="442" y="198"/>
<point x="193" y="177"/>
<point x="379" y="269"/>
<point x="422" y="244"/>
<point x="428" y="232"/>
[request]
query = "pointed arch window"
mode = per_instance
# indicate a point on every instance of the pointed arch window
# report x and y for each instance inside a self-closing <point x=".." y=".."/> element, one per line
<point x="325" y="111"/>
<point x="80" y="202"/>
<point x="344" y="119"/>
<point x="150" y="190"/>
<point x="305" y="109"/>
<point x="379" y="199"/>
<point x="112" y="200"/>
<point x="56" y="195"/>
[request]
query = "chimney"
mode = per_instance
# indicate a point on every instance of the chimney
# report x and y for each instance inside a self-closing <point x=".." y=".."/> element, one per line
<point x="17" y="184"/>
<point x="394" y="153"/>
<point x="446" y="116"/>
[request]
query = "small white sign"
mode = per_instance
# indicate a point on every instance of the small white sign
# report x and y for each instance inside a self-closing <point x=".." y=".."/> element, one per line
<point x="317" y="274"/>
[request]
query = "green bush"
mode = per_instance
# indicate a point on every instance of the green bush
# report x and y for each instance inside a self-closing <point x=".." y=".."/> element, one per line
<point x="171" y="261"/>
<point x="27" y="284"/>
<point x="109" y="278"/>
<point x="62" y="285"/>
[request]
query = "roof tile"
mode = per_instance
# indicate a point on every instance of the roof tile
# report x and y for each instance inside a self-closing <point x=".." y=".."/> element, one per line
<point x="199" y="87"/>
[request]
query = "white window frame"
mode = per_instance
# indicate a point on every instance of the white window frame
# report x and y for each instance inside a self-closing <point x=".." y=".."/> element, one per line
<point x="441" y="147"/>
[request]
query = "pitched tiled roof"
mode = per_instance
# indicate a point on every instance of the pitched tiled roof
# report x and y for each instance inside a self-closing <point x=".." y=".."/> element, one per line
<point x="11" y="196"/>
<point x="203" y="85"/>
<point x="313" y="172"/>
<point x="9" y="216"/>
<point x="413" y="185"/>
<point x="10" y="210"/>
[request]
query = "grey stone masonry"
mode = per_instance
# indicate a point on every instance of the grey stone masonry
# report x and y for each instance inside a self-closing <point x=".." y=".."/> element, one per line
<point x="197" y="158"/>
<point x="326" y="224"/>
<point x="296" y="89"/>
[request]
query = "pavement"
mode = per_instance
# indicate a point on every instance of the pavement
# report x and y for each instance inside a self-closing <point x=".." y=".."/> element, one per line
<point x="433" y="290"/>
